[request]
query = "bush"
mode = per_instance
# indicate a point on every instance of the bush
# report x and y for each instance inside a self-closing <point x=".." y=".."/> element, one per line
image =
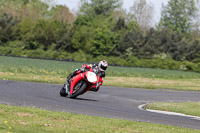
<point x="5" y="50"/>
<point x="79" y="56"/>
<point x="35" y="53"/>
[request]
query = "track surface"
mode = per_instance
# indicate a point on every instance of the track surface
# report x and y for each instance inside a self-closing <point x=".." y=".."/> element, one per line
<point x="112" y="102"/>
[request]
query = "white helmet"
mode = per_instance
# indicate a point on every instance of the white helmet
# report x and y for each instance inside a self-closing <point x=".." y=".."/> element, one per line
<point x="103" y="65"/>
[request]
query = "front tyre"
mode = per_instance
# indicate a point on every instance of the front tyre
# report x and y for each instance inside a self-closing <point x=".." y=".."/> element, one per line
<point x="78" y="89"/>
<point x="63" y="92"/>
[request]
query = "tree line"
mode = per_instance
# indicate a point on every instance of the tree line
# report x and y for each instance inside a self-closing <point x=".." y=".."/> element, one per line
<point x="103" y="29"/>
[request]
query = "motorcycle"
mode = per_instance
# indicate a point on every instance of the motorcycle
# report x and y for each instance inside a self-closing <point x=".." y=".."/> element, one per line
<point x="82" y="82"/>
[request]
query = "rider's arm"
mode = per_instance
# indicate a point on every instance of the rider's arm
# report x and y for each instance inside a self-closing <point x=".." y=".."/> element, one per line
<point x="85" y="66"/>
<point x="103" y="74"/>
<point x="99" y="84"/>
<point x="100" y="80"/>
<point x="97" y="87"/>
<point x="89" y="66"/>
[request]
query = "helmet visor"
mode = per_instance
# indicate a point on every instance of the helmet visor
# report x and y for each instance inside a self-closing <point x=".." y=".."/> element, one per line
<point x="103" y="67"/>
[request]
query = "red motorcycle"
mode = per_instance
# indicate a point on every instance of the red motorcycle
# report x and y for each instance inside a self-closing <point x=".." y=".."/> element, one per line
<point x="82" y="83"/>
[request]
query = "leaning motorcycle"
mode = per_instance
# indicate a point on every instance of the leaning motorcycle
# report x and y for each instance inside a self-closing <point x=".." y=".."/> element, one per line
<point x="82" y="83"/>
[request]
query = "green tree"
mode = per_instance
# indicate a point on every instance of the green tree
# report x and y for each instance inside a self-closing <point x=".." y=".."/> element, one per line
<point x="178" y="15"/>
<point x="96" y="27"/>
<point x="62" y="13"/>
<point x="99" y="7"/>
<point x="43" y="34"/>
<point x="171" y="44"/>
<point x="104" y="41"/>
<point x="7" y="24"/>
<point x="132" y="42"/>
<point x="34" y="9"/>
<point x="97" y="38"/>
<point x="142" y="13"/>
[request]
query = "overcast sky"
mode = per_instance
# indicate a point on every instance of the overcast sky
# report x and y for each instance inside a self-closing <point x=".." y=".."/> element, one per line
<point x="73" y="5"/>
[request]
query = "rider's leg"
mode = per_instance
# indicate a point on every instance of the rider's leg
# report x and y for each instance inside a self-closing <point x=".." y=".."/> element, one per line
<point x="70" y="76"/>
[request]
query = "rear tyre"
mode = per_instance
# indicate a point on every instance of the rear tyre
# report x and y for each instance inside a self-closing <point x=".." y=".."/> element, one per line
<point x="79" y="89"/>
<point x="63" y="92"/>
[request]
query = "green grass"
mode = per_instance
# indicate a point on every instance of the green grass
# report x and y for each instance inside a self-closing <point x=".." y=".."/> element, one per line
<point x="188" y="108"/>
<point x="49" y="71"/>
<point x="36" y="66"/>
<point x="151" y="73"/>
<point x="31" y="120"/>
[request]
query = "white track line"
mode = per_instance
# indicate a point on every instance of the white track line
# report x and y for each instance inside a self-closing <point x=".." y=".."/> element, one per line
<point x="168" y="113"/>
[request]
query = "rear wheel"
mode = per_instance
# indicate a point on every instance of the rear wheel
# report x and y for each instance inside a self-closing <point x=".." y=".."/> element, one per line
<point x="78" y="89"/>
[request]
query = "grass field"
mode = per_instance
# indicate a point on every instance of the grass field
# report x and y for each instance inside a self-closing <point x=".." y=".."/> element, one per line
<point x="31" y="120"/>
<point x="36" y="66"/>
<point x="188" y="108"/>
<point x="23" y="69"/>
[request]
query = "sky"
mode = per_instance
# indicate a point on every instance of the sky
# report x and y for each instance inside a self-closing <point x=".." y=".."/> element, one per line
<point x="73" y="5"/>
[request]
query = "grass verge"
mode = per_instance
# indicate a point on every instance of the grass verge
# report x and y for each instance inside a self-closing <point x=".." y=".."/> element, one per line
<point x="24" y="119"/>
<point x="132" y="82"/>
<point x="188" y="108"/>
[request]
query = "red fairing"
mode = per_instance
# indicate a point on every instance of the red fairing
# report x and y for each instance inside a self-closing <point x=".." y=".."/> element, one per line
<point x="82" y="76"/>
<point x="75" y="80"/>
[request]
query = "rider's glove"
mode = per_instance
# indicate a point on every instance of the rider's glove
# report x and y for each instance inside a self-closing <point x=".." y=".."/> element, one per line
<point x="97" y="85"/>
<point x="82" y="70"/>
<point x="76" y="70"/>
<point x="67" y="83"/>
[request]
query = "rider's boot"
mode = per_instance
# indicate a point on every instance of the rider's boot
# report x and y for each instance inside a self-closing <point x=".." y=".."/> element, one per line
<point x="66" y="86"/>
<point x="70" y="76"/>
<point x="67" y="81"/>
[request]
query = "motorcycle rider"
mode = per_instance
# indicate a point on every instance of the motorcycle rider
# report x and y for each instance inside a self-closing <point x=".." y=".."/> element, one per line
<point x="101" y="67"/>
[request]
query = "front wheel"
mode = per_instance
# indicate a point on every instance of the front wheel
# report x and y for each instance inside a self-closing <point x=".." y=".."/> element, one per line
<point x="78" y="89"/>
<point x="63" y="92"/>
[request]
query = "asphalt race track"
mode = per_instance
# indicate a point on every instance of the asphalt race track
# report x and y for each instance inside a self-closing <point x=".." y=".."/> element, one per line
<point x="112" y="102"/>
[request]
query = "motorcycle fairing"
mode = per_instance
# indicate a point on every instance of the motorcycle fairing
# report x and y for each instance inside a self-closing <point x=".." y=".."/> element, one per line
<point x="82" y="76"/>
<point x="75" y="80"/>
